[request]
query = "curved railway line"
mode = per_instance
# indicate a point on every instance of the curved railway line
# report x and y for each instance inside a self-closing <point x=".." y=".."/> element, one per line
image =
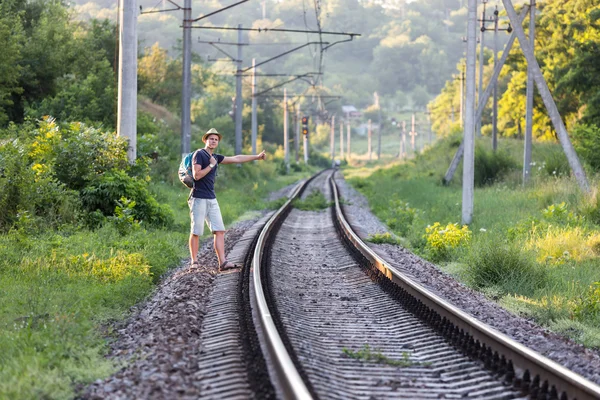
<point x="320" y="315"/>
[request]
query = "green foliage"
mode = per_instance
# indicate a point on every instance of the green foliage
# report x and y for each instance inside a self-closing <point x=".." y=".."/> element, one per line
<point x="560" y="214"/>
<point x="276" y="204"/>
<point x="494" y="262"/>
<point x="491" y="166"/>
<point x="104" y="192"/>
<point x="586" y="140"/>
<point x="442" y="240"/>
<point x="124" y="218"/>
<point x="11" y="40"/>
<point x="384" y="238"/>
<point x="51" y="170"/>
<point x="400" y="216"/>
<point x="376" y="356"/>
<point x="315" y="201"/>
<point x="589" y="303"/>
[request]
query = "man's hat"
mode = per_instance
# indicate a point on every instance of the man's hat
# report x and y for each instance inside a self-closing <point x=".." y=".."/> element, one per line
<point x="212" y="131"/>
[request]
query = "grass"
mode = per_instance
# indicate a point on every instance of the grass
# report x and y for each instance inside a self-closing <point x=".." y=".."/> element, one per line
<point x="59" y="290"/>
<point x="384" y="238"/>
<point x="376" y="356"/>
<point x="534" y="249"/>
<point x="315" y="201"/>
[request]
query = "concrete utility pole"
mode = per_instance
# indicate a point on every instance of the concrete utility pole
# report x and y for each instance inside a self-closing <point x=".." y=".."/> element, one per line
<point x="529" y="102"/>
<point x="341" y="140"/>
<point x="369" y="136"/>
<point x="403" y="139"/>
<point x="380" y="126"/>
<point x="127" y="92"/>
<point x="469" y="132"/>
<point x="332" y="140"/>
<point x="186" y="90"/>
<point x="413" y="134"/>
<point x="481" y="60"/>
<point x="495" y="94"/>
<point x="239" y="108"/>
<point x="286" y="140"/>
<point x="297" y="141"/>
<point x="254" y="116"/>
<point x="348" y="129"/>
<point x="544" y="91"/>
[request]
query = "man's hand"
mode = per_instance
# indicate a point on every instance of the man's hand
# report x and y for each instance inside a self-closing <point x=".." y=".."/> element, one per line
<point x="261" y="156"/>
<point x="212" y="161"/>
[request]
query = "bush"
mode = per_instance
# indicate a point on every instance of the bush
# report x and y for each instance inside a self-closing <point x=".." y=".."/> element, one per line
<point x="491" y="166"/>
<point x="16" y="182"/>
<point x="493" y="262"/>
<point x="588" y="306"/>
<point x="85" y="152"/>
<point x="104" y="193"/>
<point x="401" y="217"/>
<point x="586" y="140"/>
<point x="442" y="240"/>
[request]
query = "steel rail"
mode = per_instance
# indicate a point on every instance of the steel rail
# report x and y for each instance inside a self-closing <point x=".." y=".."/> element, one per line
<point x="524" y="359"/>
<point x="287" y="375"/>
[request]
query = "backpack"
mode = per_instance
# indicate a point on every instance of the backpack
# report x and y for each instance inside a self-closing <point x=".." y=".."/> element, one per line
<point x="186" y="175"/>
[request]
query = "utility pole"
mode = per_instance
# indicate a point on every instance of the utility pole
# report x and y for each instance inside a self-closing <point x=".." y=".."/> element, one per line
<point x="254" y="116"/>
<point x="127" y="92"/>
<point x="403" y="139"/>
<point x="481" y="60"/>
<point x="413" y="133"/>
<point x="239" y="108"/>
<point x="341" y="140"/>
<point x="544" y="91"/>
<point x="332" y="141"/>
<point x="380" y="125"/>
<point x="529" y="101"/>
<point x="495" y="94"/>
<point x="286" y="139"/>
<point x="348" y="129"/>
<point x="369" y="135"/>
<point x="297" y="144"/>
<point x="469" y="132"/>
<point x="400" y="150"/>
<point x="304" y="141"/>
<point x="186" y="90"/>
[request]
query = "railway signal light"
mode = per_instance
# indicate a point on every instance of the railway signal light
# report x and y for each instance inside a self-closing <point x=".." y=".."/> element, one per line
<point x="305" y="125"/>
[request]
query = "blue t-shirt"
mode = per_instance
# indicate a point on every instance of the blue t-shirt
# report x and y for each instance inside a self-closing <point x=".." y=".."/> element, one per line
<point x="205" y="187"/>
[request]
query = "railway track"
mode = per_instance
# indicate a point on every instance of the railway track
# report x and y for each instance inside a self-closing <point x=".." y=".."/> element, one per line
<point x="325" y="317"/>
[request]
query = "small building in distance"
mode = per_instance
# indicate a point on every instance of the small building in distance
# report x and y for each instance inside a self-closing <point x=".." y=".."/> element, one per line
<point x="351" y="112"/>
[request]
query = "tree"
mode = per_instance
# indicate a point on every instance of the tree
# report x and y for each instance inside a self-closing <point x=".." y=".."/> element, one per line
<point x="11" y="41"/>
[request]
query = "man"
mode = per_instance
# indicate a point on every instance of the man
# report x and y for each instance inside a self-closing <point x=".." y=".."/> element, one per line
<point x="203" y="201"/>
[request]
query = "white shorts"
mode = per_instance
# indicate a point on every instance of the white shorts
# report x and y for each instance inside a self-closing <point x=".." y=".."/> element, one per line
<point x="205" y="210"/>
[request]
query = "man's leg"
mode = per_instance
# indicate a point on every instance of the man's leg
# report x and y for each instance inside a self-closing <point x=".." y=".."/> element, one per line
<point x="220" y="246"/>
<point x="197" y="214"/>
<point x="194" y="243"/>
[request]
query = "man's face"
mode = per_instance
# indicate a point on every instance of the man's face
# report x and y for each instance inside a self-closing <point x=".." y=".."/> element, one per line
<point x="212" y="141"/>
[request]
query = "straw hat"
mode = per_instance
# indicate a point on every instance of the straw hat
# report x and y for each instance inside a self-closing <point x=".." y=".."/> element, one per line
<point x="212" y="131"/>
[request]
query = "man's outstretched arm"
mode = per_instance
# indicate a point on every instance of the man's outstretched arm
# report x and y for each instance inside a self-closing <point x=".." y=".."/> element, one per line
<point x="242" y="158"/>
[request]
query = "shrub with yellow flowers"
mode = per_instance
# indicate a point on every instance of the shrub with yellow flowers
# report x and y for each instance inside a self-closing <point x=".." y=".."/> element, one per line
<point x="441" y="240"/>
